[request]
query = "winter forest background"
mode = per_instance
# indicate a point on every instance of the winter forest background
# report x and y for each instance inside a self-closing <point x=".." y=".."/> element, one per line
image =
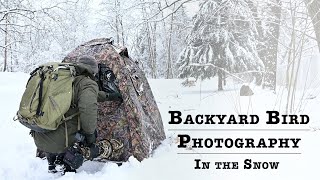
<point x="266" y="42"/>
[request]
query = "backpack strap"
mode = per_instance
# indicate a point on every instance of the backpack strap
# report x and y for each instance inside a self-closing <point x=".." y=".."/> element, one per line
<point x="65" y="119"/>
<point x="79" y="127"/>
<point x="39" y="113"/>
<point x="66" y="132"/>
<point x="70" y="117"/>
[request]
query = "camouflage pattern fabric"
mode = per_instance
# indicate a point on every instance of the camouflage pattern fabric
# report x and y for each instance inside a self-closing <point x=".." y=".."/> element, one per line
<point x="137" y="121"/>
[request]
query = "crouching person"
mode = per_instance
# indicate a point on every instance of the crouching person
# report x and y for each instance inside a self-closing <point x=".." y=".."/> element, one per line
<point x="75" y="140"/>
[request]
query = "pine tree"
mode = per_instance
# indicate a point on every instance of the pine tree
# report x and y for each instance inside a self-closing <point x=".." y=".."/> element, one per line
<point x="267" y="16"/>
<point x="222" y="41"/>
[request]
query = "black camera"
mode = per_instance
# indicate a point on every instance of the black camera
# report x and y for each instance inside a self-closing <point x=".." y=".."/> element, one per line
<point x="106" y="79"/>
<point x="73" y="157"/>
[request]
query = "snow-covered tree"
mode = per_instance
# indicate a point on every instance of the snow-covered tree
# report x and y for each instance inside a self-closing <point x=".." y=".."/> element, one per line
<point x="177" y="30"/>
<point x="267" y="14"/>
<point x="222" y="41"/>
<point x="313" y="7"/>
<point x="160" y="36"/>
<point x="33" y="32"/>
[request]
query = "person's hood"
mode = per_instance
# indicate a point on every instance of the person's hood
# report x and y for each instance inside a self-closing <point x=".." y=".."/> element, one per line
<point x="84" y="69"/>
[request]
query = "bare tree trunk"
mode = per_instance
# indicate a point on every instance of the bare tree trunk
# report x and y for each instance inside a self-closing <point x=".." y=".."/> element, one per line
<point x="220" y="80"/>
<point x="290" y="96"/>
<point x="169" y="62"/>
<point x="6" y="44"/>
<point x="313" y="7"/>
<point x="122" y="32"/>
<point x="117" y="4"/>
<point x="151" y="41"/>
<point x="289" y="62"/>
<point x="154" y="49"/>
<point x="151" y="49"/>
<point x="298" y="55"/>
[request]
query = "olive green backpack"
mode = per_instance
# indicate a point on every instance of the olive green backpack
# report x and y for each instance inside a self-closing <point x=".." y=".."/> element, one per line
<point x="47" y="97"/>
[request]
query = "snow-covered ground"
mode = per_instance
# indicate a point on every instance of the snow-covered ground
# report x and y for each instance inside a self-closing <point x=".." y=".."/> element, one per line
<point x="17" y="152"/>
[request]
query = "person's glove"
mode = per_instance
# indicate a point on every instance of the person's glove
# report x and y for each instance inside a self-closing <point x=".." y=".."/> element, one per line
<point x="90" y="139"/>
<point x="93" y="152"/>
<point x="113" y="96"/>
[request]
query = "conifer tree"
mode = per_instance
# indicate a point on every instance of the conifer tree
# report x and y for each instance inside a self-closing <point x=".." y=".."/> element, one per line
<point x="222" y="41"/>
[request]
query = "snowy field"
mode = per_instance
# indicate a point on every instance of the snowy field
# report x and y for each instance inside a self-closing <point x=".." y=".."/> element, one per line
<point x="17" y="152"/>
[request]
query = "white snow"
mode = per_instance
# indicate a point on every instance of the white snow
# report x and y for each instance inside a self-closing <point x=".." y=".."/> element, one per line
<point x="308" y="77"/>
<point x="17" y="152"/>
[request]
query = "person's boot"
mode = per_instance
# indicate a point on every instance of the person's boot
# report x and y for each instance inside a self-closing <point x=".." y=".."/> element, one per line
<point x="52" y="168"/>
<point x="40" y="154"/>
<point x="62" y="167"/>
<point x="59" y="164"/>
<point x="67" y="168"/>
<point x="51" y="158"/>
